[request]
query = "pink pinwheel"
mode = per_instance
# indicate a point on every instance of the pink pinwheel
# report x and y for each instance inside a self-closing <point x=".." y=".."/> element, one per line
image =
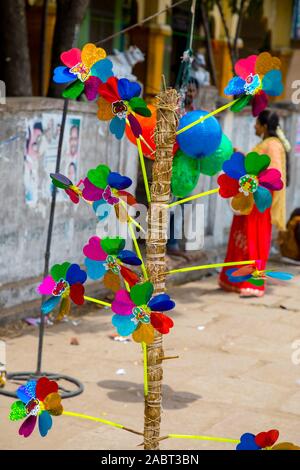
<point x="85" y="70"/>
<point x="257" y="78"/>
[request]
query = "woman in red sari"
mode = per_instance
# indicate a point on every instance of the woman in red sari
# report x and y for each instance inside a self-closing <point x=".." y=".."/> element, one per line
<point x="251" y="235"/>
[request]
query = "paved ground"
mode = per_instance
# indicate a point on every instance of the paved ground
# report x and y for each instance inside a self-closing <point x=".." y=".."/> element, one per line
<point x="235" y="372"/>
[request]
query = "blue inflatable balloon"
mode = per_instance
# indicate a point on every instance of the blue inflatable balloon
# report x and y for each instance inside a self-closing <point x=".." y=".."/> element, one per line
<point x="203" y="138"/>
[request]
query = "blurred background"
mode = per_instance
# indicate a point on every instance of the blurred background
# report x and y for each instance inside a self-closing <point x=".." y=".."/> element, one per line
<point x="157" y="35"/>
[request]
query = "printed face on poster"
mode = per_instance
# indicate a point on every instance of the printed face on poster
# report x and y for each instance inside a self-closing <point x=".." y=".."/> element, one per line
<point x="42" y="137"/>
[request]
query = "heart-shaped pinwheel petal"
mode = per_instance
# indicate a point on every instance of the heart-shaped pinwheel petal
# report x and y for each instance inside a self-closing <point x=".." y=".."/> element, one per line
<point x="91" y="88"/>
<point x="91" y="54"/>
<point x="117" y="127"/>
<point x="271" y="179"/>
<point x="98" y="176"/>
<point x="71" y="57"/>
<point x="75" y="274"/>
<point x="122" y="303"/>
<point x="267" y="439"/>
<point x="61" y="74"/>
<point x="245" y="67"/>
<point x="103" y="70"/>
<point x="44" y="387"/>
<point x="247" y="442"/>
<point x="161" y="303"/>
<point x="77" y="293"/>
<point x="143" y="334"/>
<point x="17" y="411"/>
<point x="117" y="181"/>
<point x="128" y="89"/>
<point x="93" y="249"/>
<point x="141" y="293"/>
<point x="59" y="271"/>
<point x="129" y="257"/>
<point x="235" y="166"/>
<point x="28" y="426"/>
<point x="47" y="285"/>
<point x="124" y="324"/>
<point x="45" y="423"/>
<point x="161" y="322"/>
<point x="95" y="269"/>
<point x="27" y="391"/>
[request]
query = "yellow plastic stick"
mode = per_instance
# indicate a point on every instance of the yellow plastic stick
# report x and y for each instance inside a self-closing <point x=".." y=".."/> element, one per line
<point x="131" y="220"/>
<point x="138" y="251"/>
<point x="96" y="301"/>
<point x="206" y="116"/>
<point x="147" y="145"/>
<point x="209" y="266"/>
<point x="144" y="346"/>
<point x="204" y="438"/>
<point x="195" y="196"/>
<point x="143" y="168"/>
<point x="92" y="418"/>
<point x="134" y="222"/>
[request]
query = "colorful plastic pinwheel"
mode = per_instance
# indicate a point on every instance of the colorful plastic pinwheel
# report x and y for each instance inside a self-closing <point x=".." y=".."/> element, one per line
<point x="257" y="78"/>
<point x="65" y="283"/>
<point x="37" y="399"/>
<point x="249" y="181"/>
<point x="255" y="275"/>
<point x="263" y="440"/>
<point x="106" y="258"/>
<point x="105" y="189"/>
<point x="119" y="101"/>
<point x="61" y="181"/>
<point x="85" y="70"/>
<point x="138" y="313"/>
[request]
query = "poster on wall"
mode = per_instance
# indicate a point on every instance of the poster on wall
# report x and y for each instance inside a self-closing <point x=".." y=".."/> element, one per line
<point x="42" y="137"/>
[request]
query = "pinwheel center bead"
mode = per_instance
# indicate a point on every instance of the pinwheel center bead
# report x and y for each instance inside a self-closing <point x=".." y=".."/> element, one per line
<point x="248" y="184"/>
<point x="112" y="264"/>
<point x="142" y="313"/>
<point x="252" y="84"/>
<point x="81" y="70"/>
<point x="258" y="274"/>
<point x="120" y="109"/>
<point x="60" y="288"/>
<point x="33" y="407"/>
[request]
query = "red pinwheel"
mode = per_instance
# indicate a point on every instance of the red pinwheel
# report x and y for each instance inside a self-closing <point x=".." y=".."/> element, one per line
<point x="257" y="78"/>
<point x="85" y="70"/>
<point x="249" y="180"/>
<point x="138" y="313"/>
<point x="65" y="283"/>
<point x="106" y="258"/>
<point x="38" y="400"/>
<point x="119" y="101"/>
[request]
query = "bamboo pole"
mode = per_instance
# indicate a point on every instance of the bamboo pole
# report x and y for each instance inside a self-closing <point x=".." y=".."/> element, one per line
<point x="165" y="134"/>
